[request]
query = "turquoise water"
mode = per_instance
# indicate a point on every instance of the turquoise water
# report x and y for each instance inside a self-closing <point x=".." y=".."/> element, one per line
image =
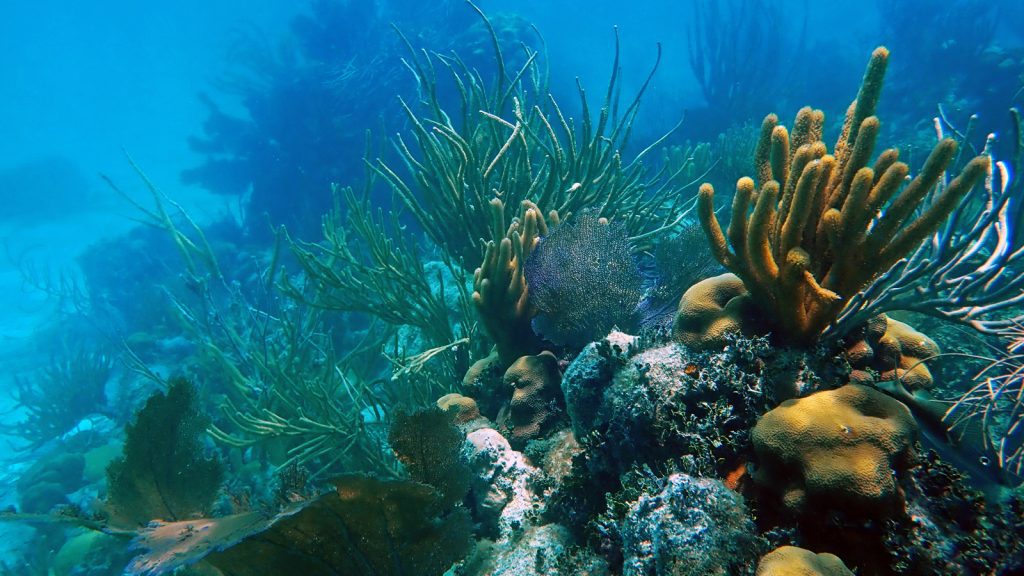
<point x="276" y="280"/>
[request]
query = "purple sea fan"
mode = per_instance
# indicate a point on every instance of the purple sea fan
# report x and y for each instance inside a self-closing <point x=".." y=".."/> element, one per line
<point x="583" y="281"/>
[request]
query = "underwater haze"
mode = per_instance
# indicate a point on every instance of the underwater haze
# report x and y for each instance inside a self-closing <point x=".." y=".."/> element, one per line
<point x="495" y="288"/>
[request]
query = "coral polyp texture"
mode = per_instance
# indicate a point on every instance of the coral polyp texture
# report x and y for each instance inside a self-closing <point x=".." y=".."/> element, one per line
<point x="711" y="310"/>
<point x="537" y="404"/>
<point x="793" y="561"/>
<point x="815" y="236"/>
<point x="837" y="448"/>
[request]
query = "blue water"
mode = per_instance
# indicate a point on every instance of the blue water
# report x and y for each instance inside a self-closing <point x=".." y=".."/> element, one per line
<point x="244" y="113"/>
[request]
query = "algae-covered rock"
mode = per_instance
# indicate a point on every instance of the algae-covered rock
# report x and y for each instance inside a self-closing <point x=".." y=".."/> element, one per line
<point x="585" y="380"/>
<point x="501" y="495"/>
<point x="659" y="404"/>
<point x="691" y="527"/>
<point x="547" y="550"/>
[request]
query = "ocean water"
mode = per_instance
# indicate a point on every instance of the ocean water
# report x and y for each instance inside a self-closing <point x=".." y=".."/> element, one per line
<point x="267" y="307"/>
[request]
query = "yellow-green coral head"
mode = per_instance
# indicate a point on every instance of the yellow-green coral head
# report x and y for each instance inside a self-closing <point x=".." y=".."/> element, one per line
<point x="837" y="449"/>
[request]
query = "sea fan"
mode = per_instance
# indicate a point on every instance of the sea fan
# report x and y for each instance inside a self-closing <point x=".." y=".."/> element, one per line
<point x="583" y="281"/>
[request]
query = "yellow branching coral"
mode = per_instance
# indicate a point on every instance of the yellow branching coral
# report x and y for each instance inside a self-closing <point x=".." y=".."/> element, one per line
<point x="823" y="226"/>
<point x="499" y="286"/>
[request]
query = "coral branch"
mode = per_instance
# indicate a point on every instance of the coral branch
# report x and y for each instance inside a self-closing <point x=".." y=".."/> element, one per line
<point x="814" y="238"/>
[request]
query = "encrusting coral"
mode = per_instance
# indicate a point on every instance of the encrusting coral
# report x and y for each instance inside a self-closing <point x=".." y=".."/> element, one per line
<point x="462" y="408"/>
<point x="793" y="561"/>
<point x="838" y="447"/>
<point x="815" y="238"/>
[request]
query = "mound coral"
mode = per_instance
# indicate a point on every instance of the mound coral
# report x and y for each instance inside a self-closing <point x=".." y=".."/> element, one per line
<point x="712" y="309"/>
<point x="537" y="404"/>
<point x="793" y="561"/>
<point x="47" y="483"/>
<point x="463" y="409"/>
<point x="837" y="447"/>
<point x="815" y="237"/>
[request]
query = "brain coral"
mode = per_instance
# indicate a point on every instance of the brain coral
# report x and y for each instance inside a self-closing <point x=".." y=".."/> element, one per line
<point x="537" y="404"/>
<point x="712" y="309"/>
<point x="583" y="281"/>
<point x="793" y="561"/>
<point x="836" y="448"/>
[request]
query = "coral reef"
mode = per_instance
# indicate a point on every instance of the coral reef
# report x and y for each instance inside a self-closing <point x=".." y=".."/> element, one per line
<point x="887" y="349"/>
<point x="793" y="561"/>
<point x="837" y="449"/>
<point x="504" y="422"/>
<point x="547" y="550"/>
<point x="815" y="239"/>
<point x="586" y="379"/>
<point x="660" y="403"/>
<point x="501" y="480"/>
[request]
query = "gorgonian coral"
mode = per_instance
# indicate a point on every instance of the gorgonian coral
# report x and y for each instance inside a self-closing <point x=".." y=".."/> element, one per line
<point x="583" y="281"/>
